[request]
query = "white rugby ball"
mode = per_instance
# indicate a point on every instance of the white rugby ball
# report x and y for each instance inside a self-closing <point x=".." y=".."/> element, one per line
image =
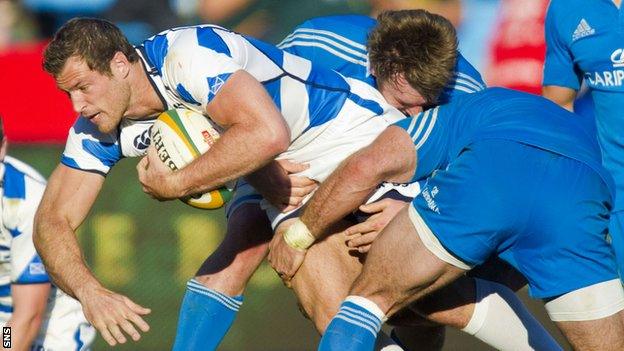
<point x="182" y="135"/>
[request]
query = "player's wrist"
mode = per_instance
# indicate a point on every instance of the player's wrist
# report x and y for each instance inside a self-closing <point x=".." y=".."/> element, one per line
<point x="298" y="236"/>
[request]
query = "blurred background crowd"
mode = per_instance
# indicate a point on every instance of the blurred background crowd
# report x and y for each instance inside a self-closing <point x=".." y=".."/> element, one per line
<point x="151" y="257"/>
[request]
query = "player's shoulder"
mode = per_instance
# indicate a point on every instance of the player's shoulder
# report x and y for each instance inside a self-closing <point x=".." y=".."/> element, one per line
<point x="23" y="188"/>
<point x="24" y="168"/>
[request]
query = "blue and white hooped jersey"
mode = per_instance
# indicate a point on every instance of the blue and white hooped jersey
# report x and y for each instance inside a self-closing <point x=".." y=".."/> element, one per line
<point x="189" y="65"/>
<point x="585" y="41"/>
<point x="339" y="43"/>
<point x="441" y="133"/>
<point x="22" y="189"/>
<point x="65" y="326"/>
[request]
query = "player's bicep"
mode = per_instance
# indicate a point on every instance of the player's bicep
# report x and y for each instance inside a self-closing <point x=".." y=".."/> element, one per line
<point x="391" y="157"/>
<point x="243" y="101"/>
<point x="559" y="67"/>
<point x="69" y="196"/>
<point x="562" y="96"/>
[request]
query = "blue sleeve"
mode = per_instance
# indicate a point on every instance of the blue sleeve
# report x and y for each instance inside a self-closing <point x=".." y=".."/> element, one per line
<point x="431" y="144"/>
<point x="334" y="42"/>
<point x="559" y="69"/>
<point x="466" y="79"/>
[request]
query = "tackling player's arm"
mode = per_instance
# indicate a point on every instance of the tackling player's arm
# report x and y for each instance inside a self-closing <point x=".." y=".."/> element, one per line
<point x="255" y="134"/>
<point x="391" y="157"/>
<point x="69" y="196"/>
<point x="29" y="306"/>
<point x="562" y="96"/>
<point x="561" y="77"/>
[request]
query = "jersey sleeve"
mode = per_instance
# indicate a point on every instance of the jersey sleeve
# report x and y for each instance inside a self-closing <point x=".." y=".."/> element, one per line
<point x="466" y="79"/>
<point x="90" y="150"/>
<point x="559" y="67"/>
<point x="334" y="42"/>
<point x="200" y="61"/>
<point x="26" y="265"/>
<point x="429" y="140"/>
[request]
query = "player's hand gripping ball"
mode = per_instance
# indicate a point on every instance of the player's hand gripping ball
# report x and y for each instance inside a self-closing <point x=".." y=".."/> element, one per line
<point x="180" y="136"/>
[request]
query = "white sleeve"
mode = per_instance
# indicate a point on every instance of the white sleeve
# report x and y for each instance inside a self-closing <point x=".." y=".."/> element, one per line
<point x="198" y="63"/>
<point x="89" y="150"/>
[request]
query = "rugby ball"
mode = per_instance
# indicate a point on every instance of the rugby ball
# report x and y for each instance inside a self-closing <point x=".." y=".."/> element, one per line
<point x="180" y="136"/>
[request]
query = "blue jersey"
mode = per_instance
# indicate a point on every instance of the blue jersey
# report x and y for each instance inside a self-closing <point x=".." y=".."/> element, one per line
<point x="585" y="41"/>
<point x="339" y="43"/>
<point x="442" y="133"/>
<point x="187" y="66"/>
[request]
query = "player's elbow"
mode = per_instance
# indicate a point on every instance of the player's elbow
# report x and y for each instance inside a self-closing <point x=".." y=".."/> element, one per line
<point x="363" y="170"/>
<point x="277" y="140"/>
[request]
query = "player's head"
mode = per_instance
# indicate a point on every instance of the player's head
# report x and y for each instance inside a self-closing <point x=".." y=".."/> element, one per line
<point x="90" y="59"/>
<point x="412" y="54"/>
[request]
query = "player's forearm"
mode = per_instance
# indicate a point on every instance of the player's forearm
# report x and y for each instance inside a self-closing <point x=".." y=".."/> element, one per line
<point x="240" y="151"/>
<point x="24" y="330"/>
<point x="342" y="193"/>
<point x="58" y="247"/>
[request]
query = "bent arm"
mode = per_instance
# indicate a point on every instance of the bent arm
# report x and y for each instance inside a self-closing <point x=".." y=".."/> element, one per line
<point x="561" y="96"/>
<point x="391" y="157"/>
<point x="69" y="196"/>
<point x="29" y="306"/>
<point x="255" y="134"/>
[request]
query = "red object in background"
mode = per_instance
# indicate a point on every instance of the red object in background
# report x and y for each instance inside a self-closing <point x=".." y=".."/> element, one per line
<point x="34" y="110"/>
<point x="518" y="47"/>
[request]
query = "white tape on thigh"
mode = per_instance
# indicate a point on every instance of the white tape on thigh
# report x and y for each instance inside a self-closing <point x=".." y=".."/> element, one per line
<point x="432" y="243"/>
<point x="593" y="302"/>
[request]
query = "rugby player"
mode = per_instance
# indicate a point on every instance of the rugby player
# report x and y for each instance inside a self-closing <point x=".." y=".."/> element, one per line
<point x="41" y="317"/>
<point x="339" y="42"/>
<point x="506" y="173"/>
<point x="584" y="43"/>
<point x="270" y="103"/>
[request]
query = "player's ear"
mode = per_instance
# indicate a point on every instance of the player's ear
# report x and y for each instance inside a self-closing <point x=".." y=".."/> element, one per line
<point x="120" y="64"/>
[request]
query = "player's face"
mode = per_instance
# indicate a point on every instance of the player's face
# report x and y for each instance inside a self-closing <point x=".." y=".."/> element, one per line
<point x="400" y="94"/>
<point x="100" y="98"/>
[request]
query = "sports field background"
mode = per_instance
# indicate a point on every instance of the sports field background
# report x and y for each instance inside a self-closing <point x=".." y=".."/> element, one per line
<point x="148" y="250"/>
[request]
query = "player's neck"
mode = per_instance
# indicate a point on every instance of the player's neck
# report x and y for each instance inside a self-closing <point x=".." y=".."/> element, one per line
<point x="144" y="100"/>
<point x="617" y="3"/>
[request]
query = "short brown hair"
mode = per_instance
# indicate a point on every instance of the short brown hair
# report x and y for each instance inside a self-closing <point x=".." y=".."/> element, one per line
<point x="417" y="43"/>
<point x="94" y="40"/>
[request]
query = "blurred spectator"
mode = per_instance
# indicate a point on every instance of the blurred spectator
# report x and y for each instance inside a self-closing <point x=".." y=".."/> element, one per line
<point x="518" y="48"/>
<point x="272" y="20"/>
<point x="15" y="26"/>
<point x="138" y="19"/>
<point x="451" y="9"/>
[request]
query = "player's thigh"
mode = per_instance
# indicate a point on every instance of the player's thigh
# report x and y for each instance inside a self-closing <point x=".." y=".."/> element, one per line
<point x="605" y="334"/>
<point x="324" y="278"/>
<point x="399" y="267"/>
